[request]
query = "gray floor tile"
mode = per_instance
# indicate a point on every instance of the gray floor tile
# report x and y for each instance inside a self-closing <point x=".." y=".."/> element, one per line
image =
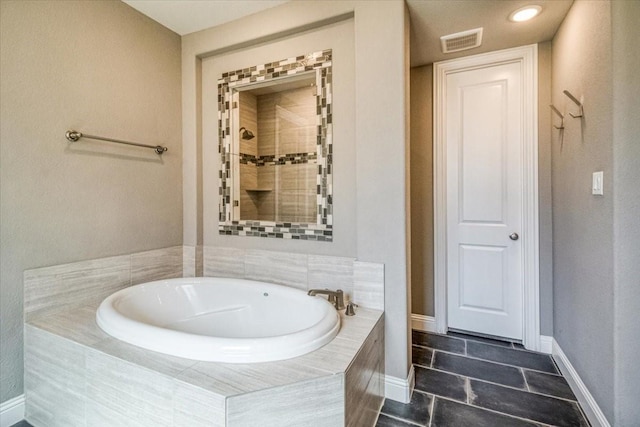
<point x="421" y="356"/>
<point x="553" y="385"/>
<point x="416" y="411"/>
<point x="22" y="423"/>
<point x="384" y="421"/>
<point x="524" y="359"/>
<point x="438" y="342"/>
<point x="447" y="413"/>
<point x="474" y="368"/>
<point x="544" y="409"/>
<point x="441" y="383"/>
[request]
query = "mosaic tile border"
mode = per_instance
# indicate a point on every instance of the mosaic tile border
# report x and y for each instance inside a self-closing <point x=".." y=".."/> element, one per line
<point x="228" y="111"/>
<point x="286" y="159"/>
<point x="282" y="230"/>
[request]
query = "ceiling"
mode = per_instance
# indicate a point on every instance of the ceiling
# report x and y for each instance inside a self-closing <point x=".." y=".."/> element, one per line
<point x="430" y="19"/>
<point x="189" y="16"/>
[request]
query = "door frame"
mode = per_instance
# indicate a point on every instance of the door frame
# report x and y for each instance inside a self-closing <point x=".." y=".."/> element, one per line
<point x="527" y="56"/>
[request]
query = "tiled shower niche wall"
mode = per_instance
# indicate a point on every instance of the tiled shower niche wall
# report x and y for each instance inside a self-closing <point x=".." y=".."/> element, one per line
<point x="278" y="168"/>
<point x="250" y="196"/>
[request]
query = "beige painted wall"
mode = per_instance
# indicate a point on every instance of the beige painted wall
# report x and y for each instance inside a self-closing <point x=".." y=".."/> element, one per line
<point x="422" y="301"/>
<point x="102" y="68"/>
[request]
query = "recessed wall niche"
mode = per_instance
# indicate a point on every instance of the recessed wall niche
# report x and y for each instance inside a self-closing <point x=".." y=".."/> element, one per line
<point x="275" y="143"/>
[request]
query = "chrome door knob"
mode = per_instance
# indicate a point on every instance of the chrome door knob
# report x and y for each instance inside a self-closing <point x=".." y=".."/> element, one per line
<point x="514" y="236"/>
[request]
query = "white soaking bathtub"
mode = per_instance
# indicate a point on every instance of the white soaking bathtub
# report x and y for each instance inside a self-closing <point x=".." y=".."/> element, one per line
<point x="219" y="319"/>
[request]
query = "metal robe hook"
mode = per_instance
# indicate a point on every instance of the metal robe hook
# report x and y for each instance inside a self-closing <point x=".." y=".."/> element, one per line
<point x="555" y="110"/>
<point x="578" y="103"/>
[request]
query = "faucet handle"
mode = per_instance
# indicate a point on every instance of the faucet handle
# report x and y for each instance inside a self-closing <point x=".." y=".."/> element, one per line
<point x="339" y="299"/>
<point x="351" y="309"/>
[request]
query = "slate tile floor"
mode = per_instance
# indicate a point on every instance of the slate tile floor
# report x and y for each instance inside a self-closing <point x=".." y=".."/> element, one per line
<point x="466" y="381"/>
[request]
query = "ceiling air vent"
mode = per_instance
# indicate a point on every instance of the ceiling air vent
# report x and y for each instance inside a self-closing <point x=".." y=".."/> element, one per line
<point x="461" y="41"/>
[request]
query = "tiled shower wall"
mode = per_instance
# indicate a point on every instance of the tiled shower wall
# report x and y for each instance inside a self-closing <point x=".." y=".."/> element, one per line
<point x="250" y="201"/>
<point x="281" y="159"/>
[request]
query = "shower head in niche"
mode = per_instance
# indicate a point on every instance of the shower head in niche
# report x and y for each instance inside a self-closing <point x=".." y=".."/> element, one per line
<point x="246" y="133"/>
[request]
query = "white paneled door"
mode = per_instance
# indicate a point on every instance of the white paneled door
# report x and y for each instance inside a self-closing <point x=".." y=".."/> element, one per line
<point x="483" y="140"/>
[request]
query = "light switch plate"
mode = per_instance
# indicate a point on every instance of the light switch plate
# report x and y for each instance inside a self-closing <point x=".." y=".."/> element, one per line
<point x="597" y="184"/>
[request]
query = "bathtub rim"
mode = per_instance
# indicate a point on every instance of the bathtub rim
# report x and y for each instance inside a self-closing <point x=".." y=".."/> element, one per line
<point x="217" y="349"/>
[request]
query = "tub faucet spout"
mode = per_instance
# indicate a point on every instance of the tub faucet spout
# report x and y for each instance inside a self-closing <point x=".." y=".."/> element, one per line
<point x="334" y="297"/>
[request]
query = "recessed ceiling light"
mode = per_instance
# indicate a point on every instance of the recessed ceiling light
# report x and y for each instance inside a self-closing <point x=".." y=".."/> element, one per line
<point x="525" y="13"/>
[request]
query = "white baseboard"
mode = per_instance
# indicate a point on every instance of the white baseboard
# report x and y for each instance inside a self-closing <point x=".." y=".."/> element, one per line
<point x="588" y="403"/>
<point x="399" y="389"/>
<point x="546" y="344"/>
<point x="423" y="323"/>
<point x="12" y="411"/>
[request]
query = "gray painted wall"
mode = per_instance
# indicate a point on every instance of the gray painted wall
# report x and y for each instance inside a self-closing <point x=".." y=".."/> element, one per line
<point x="582" y="223"/>
<point x="340" y="38"/>
<point x="102" y="68"/>
<point x="626" y="209"/>
<point x="370" y="216"/>
<point x="596" y="250"/>
<point x="422" y="189"/>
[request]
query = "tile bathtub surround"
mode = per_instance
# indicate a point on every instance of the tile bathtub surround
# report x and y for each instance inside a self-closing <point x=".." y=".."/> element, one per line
<point x="157" y="265"/>
<point x="54" y="379"/>
<point x="362" y="282"/>
<point x="78" y="377"/>
<point x="189" y="257"/>
<point x="284" y="268"/>
<point x="61" y="287"/>
<point x="368" y="284"/>
<point x="459" y="383"/>
<point x="223" y="262"/>
<point x="330" y="272"/>
<point x="364" y="382"/>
